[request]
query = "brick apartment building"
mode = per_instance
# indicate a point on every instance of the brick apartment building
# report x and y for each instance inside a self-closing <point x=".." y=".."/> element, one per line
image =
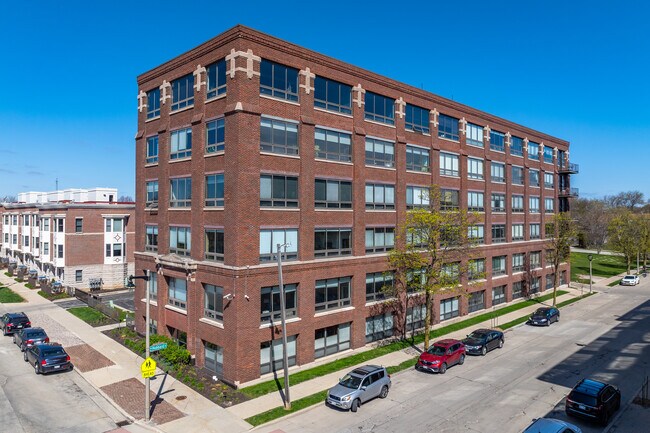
<point x="247" y="141"/>
<point x="80" y="238"/>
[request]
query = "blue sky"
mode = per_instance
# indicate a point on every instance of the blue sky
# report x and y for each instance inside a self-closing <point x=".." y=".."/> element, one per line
<point x="574" y="69"/>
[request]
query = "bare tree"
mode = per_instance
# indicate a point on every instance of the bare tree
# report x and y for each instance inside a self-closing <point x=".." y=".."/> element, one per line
<point x="592" y="220"/>
<point x="9" y="199"/>
<point x="558" y="247"/>
<point x="629" y="200"/>
<point x="125" y="199"/>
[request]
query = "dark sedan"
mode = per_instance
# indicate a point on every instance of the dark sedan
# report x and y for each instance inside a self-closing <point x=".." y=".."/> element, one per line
<point x="46" y="358"/>
<point x="27" y="337"/>
<point x="481" y="341"/>
<point x="12" y="322"/>
<point x="544" y="316"/>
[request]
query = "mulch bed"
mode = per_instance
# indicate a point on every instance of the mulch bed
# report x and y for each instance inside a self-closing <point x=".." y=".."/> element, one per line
<point x="85" y="358"/>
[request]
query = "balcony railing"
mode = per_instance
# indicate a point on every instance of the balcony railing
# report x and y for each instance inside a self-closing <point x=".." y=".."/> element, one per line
<point x="569" y="192"/>
<point x="569" y="168"/>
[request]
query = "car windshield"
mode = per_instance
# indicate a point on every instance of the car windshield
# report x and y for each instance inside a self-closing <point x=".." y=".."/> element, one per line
<point x="37" y="334"/>
<point x="436" y="350"/>
<point x="581" y="398"/>
<point x="53" y="351"/>
<point x="628" y="277"/>
<point x="350" y="381"/>
<point x="540" y="312"/>
<point x="477" y="334"/>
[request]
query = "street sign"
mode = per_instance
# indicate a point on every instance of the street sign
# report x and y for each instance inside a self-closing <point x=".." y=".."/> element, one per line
<point x="148" y="368"/>
<point x="157" y="346"/>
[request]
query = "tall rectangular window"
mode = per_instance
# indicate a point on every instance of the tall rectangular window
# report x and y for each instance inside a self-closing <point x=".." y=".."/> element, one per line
<point x="380" y="239"/>
<point x="417" y="196"/>
<point x="448" y="127"/>
<point x="153" y="103"/>
<point x="475" y="201"/>
<point x="498" y="295"/>
<point x="449" y="199"/>
<point x="380" y="196"/>
<point x="548" y="180"/>
<point x="152" y="192"/>
<point x="213" y="302"/>
<point x="417" y="119"/>
<point x="59" y="251"/>
<point x="517" y="203"/>
<point x="332" y="242"/>
<point x="152" y="150"/>
<point x="216" y="73"/>
<point x="270" y="305"/>
<point x="215" y="135"/>
<point x="517" y="289"/>
<point x="181" y="192"/>
<point x="548" y="155"/>
<point x="177" y="292"/>
<point x="333" y="145"/>
<point x="517" y="175"/>
<point x="476" y="233"/>
<point x="518" y="262"/>
<point x="214" y="195"/>
<point x="498" y="172"/>
<point x="269" y="240"/>
<point x="533" y="151"/>
<point x="278" y="191"/>
<point x="375" y="283"/>
<point x="181" y="144"/>
<point x="180" y="240"/>
<point x="498" y="202"/>
<point x="417" y="159"/>
<point x="474" y="135"/>
<point x="497" y="141"/>
<point x="498" y="233"/>
<point x="379" y="327"/>
<point x="533" y="178"/>
<point x="78" y="225"/>
<point x="380" y="153"/>
<point x="278" y="136"/>
<point x="59" y="225"/>
<point x="498" y="266"/>
<point x="534" y="231"/>
<point x="214" y="246"/>
<point x="278" y="81"/>
<point x="533" y="204"/>
<point x="448" y="164"/>
<point x="549" y="205"/>
<point x="476" y="301"/>
<point x="333" y="293"/>
<point x="332" y="95"/>
<point x="476" y="269"/>
<point x="379" y="108"/>
<point x="516" y="146"/>
<point x="517" y="232"/>
<point x="78" y="276"/>
<point x="151" y="238"/>
<point x="535" y="259"/>
<point x="333" y="194"/>
<point x="213" y="356"/>
<point x="183" y="92"/>
<point x="152" y="286"/>
<point x="475" y="168"/>
<point x="271" y="355"/>
<point x="449" y="308"/>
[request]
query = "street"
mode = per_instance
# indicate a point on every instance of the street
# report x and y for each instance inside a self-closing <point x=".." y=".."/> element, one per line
<point x="606" y="337"/>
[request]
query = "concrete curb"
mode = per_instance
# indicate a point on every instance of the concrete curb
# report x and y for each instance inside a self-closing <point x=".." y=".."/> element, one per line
<point x="621" y="411"/>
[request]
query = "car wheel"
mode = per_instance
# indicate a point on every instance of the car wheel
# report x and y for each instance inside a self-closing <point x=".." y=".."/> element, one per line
<point x="25" y="356"/>
<point x="384" y="392"/>
<point x="22" y="347"/>
<point x="443" y="368"/>
<point x="355" y="405"/>
<point x="605" y="419"/>
<point x="618" y="403"/>
<point x="501" y="343"/>
<point x="483" y="350"/>
<point x="36" y="370"/>
<point x="461" y="361"/>
<point x="14" y="339"/>
<point x="548" y="322"/>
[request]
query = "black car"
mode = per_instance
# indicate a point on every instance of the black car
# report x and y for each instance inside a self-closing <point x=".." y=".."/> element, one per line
<point x="12" y="322"/>
<point x="481" y="341"/>
<point x="544" y="316"/>
<point x="46" y="358"/>
<point x="27" y="337"/>
<point x="593" y="400"/>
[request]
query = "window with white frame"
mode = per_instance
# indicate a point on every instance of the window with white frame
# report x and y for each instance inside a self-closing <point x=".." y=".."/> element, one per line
<point x="518" y="262"/>
<point x="213" y="302"/>
<point x="534" y="231"/>
<point x="474" y="135"/>
<point x="533" y="151"/>
<point x="181" y="192"/>
<point x="180" y="240"/>
<point x="417" y="196"/>
<point x="279" y="136"/>
<point x="517" y="175"/>
<point x="380" y="239"/>
<point x="498" y="295"/>
<point x="380" y="196"/>
<point x="498" y="266"/>
<point x="475" y="168"/>
<point x="333" y="145"/>
<point x="533" y="204"/>
<point x="475" y="201"/>
<point x="517" y="203"/>
<point x="333" y="194"/>
<point x="152" y="193"/>
<point x="269" y="240"/>
<point x="448" y="164"/>
<point x="59" y="251"/>
<point x="548" y="180"/>
<point x="533" y="178"/>
<point x="380" y="153"/>
<point x="181" y="144"/>
<point x="549" y="205"/>
<point x="417" y="159"/>
<point x="497" y="172"/>
<point x="215" y="135"/>
<point x="498" y="202"/>
<point x="517" y="232"/>
<point x="497" y="141"/>
<point x="449" y="308"/>
<point x="114" y="225"/>
<point x="177" y="292"/>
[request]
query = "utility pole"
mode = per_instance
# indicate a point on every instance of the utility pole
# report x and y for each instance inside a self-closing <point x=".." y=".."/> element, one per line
<point x="283" y="317"/>
<point x="147" y="384"/>
<point x="590" y="257"/>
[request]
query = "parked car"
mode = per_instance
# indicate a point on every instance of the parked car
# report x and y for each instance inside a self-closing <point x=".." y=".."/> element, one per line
<point x="27" y="337"/>
<point x="630" y="280"/>
<point x="442" y="355"/>
<point x="551" y="425"/>
<point x="593" y="400"/>
<point x="481" y="341"/>
<point x="11" y="322"/>
<point x="359" y="386"/>
<point x="544" y="316"/>
<point x="47" y="358"/>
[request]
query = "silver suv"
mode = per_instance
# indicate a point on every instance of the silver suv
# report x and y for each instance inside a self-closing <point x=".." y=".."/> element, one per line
<point x="359" y="386"/>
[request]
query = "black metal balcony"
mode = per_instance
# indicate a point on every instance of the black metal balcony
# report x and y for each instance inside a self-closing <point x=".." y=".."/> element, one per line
<point x="569" y="168"/>
<point x="568" y="192"/>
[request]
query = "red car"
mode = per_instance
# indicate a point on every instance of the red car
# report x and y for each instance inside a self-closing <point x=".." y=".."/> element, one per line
<point x="442" y="355"/>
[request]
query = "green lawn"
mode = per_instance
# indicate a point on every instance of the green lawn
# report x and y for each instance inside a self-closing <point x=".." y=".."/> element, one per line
<point x="53" y="297"/>
<point x="279" y="412"/>
<point x="8" y="296"/>
<point x="602" y="265"/>
<point x="90" y="316"/>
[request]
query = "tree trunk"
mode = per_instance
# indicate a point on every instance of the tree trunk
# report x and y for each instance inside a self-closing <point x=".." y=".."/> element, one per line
<point x="555" y="269"/>
<point x="427" y="320"/>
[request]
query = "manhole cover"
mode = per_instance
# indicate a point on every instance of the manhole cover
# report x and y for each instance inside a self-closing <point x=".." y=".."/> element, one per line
<point x="181" y="397"/>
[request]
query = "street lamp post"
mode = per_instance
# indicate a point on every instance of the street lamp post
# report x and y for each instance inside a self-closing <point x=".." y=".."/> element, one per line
<point x="147" y="384"/>
<point x="590" y="257"/>
<point x="283" y="318"/>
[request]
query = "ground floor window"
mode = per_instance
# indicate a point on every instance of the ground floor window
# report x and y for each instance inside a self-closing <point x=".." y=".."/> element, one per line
<point x="332" y="339"/>
<point x="415" y="317"/>
<point x="379" y="327"/>
<point x="78" y="276"/>
<point x="271" y="356"/>
<point x="549" y="281"/>
<point x="534" y="286"/>
<point x="562" y="277"/>
<point x="498" y="295"/>
<point x="476" y="301"/>
<point x="517" y="291"/>
<point x="153" y="326"/>
<point x="213" y="358"/>
<point x="449" y="308"/>
<point x="180" y="337"/>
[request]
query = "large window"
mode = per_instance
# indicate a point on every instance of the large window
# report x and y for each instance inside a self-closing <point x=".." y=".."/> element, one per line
<point x="516" y="146"/>
<point x="332" y="242"/>
<point x="152" y="193"/>
<point x="183" y="92"/>
<point x="379" y="327"/>
<point x="380" y="153"/>
<point x="476" y="301"/>
<point x="215" y="135"/>
<point x="333" y="145"/>
<point x="375" y="283"/>
<point x="213" y="356"/>
<point x="380" y="196"/>
<point x="517" y="289"/>
<point x="533" y="151"/>
<point x="475" y="168"/>
<point x="181" y="192"/>
<point x="548" y="154"/>
<point x="213" y="302"/>
<point x="534" y="231"/>
<point x="278" y="81"/>
<point x="533" y="178"/>
<point x="278" y="191"/>
<point x="332" y="95"/>
<point x="548" y="180"/>
<point x="181" y="144"/>
<point x="331" y="340"/>
<point x="379" y="108"/>
<point x="180" y="240"/>
<point x="151" y="239"/>
<point x="417" y="196"/>
<point x="475" y="201"/>
<point x="476" y="233"/>
<point x="214" y="196"/>
<point x="214" y="246"/>
<point x="448" y="127"/>
<point x="415" y="317"/>
<point x="333" y="194"/>
<point x="417" y="119"/>
<point x="177" y="292"/>
<point x="270" y="306"/>
<point x="216" y="74"/>
<point x="417" y="159"/>
<point x="153" y="103"/>
<point x="476" y="269"/>
<point x="449" y="199"/>
<point x="474" y="135"/>
<point x="114" y="225"/>
<point x="271" y="355"/>
<point x="448" y="164"/>
<point x="152" y="150"/>
<point x="497" y="141"/>
<point x="498" y="266"/>
<point x="333" y="293"/>
<point x="517" y="203"/>
<point x="278" y="136"/>
<point x="535" y="259"/>
<point x="518" y="262"/>
<point x="517" y="175"/>
<point x="152" y="285"/>
<point x="449" y="308"/>
<point x="498" y="172"/>
<point x="517" y="232"/>
<point x="269" y="240"/>
<point x="380" y="239"/>
<point x="498" y="202"/>
<point x="533" y="204"/>
<point x="498" y="295"/>
<point x="549" y="205"/>
<point x="498" y="233"/>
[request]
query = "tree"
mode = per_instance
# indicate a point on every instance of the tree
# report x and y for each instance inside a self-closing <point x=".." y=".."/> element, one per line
<point x="9" y="199"/>
<point x="629" y="200"/>
<point x="125" y="199"/>
<point x="558" y="247"/>
<point x="592" y="221"/>
<point x="644" y="236"/>
<point x="625" y="236"/>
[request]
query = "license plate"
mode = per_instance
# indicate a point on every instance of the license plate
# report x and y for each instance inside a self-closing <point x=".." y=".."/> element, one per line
<point x="57" y="366"/>
<point x="581" y="406"/>
<point x="19" y="326"/>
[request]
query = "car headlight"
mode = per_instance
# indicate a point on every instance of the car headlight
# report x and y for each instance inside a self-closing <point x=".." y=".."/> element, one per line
<point x="435" y="362"/>
<point x="346" y="398"/>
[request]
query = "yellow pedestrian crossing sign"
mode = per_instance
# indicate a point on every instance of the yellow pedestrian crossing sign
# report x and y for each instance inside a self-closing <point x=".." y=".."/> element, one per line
<point x="148" y="368"/>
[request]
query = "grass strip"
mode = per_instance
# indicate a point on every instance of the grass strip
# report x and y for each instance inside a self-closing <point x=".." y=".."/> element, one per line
<point x="53" y="297"/>
<point x="90" y="316"/>
<point x="279" y="412"/>
<point x="8" y="296"/>
<point x="264" y="388"/>
<point x="614" y="283"/>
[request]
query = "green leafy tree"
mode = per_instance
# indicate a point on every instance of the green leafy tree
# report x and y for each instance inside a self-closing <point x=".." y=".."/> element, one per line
<point x="558" y="247"/>
<point x="625" y="235"/>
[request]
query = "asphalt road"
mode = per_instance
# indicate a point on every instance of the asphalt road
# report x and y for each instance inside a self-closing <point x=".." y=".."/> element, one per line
<point x="606" y="337"/>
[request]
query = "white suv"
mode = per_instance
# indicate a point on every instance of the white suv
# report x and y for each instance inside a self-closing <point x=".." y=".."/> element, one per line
<point x="630" y="280"/>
